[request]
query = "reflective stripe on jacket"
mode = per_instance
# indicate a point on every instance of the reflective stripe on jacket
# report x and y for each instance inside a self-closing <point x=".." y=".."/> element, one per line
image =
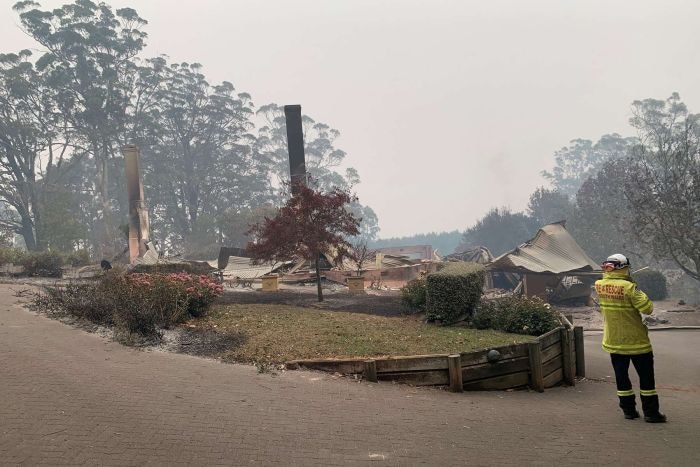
<point x="621" y="304"/>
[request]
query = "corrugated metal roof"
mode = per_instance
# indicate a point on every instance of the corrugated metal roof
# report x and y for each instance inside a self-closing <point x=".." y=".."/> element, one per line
<point x="553" y="250"/>
<point x="244" y="268"/>
<point x="387" y="262"/>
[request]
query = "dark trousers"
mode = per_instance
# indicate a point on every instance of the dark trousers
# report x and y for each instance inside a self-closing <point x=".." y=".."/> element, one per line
<point x="644" y="364"/>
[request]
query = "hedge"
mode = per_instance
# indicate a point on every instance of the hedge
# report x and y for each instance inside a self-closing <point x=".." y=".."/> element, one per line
<point x="653" y="283"/>
<point x="454" y="291"/>
<point x="43" y="263"/>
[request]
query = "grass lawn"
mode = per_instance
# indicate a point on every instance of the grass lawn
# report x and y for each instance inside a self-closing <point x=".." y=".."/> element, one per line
<point x="281" y="333"/>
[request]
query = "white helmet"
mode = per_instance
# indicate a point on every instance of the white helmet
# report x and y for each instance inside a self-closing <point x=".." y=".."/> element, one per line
<point x="617" y="261"/>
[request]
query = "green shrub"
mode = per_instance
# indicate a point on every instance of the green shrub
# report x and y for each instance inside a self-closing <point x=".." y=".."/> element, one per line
<point x="413" y="294"/>
<point x="518" y="315"/>
<point x="11" y="256"/>
<point x="454" y="291"/>
<point x="488" y="315"/>
<point x="653" y="283"/>
<point x="78" y="258"/>
<point x="136" y="304"/>
<point x="43" y="264"/>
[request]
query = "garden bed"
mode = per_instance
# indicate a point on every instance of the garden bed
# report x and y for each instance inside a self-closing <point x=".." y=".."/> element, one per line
<point x="378" y="348"/>
<point x="282" y="333"/>
<point x="548" y="360"/>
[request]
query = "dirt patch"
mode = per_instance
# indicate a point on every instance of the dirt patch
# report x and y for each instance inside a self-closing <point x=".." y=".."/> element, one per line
<point x="206" y="342"/>
<point x="336" y="298"/>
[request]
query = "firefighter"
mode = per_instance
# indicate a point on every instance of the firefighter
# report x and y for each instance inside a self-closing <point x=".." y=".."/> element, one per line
<point x="626" y="337"/>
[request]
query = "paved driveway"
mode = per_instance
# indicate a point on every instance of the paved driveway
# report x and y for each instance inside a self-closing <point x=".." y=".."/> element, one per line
<point x="69" y="397"/>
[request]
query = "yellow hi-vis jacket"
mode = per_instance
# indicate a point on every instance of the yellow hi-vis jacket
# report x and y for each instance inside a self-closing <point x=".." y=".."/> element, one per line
<point x="621" y="304"/>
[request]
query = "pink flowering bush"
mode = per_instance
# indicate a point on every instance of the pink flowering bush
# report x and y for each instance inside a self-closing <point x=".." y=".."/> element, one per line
<point x="194" y="293"/>
<point x="136" y="304"/>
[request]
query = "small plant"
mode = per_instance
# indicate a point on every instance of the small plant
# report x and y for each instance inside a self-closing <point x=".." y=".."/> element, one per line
<point x="266" y="368"/>
<point x="653" y="283"/>
<point x="413" y="294"/>
<point x="519" y="315"/>
<point x="361" y="254"/>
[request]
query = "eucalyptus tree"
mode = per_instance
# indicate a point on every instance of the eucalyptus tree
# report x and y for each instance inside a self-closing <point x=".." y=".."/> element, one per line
<point x="500" y="230"/>
<point x="662" y="187"/>
<point x="202" y="163"/>
<point x="35" y="142"/>
<point x="90" y="58"/>
<point x="67" y="113"/>
<point x="583" y="158"/>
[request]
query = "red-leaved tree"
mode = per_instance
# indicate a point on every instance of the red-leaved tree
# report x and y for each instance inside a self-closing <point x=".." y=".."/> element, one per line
<point x="309" y="224"/>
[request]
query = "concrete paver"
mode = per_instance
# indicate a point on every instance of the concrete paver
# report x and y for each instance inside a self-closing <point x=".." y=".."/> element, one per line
<point x="70" y="397"/>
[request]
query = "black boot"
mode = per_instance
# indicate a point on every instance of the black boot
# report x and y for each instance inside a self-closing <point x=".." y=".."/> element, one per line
<point x="657" y="417"/>
<point x="650" y="405"/>
<point x="628" y="406"/>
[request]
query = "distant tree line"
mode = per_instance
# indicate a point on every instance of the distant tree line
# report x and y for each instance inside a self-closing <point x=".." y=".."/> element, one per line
<point x="213" y="163"/>
<point x="637" y="195"/>
<point x="444" y="242"/>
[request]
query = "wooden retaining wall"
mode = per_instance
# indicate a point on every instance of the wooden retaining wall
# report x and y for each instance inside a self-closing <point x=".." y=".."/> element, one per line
<point x="549" y="360"/>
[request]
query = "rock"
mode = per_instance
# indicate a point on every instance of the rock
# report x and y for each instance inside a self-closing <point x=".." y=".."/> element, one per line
<point x="493" y="356"/>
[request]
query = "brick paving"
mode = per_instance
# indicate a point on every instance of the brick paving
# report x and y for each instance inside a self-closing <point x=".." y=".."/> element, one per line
<point x="70" y="397"/>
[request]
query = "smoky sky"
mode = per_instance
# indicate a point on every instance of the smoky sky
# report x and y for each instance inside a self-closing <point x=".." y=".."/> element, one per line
<point x="445" y="107"/>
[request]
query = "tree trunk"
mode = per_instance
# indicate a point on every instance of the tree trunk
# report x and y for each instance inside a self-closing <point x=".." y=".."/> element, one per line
<point x="28" y="234"/>
<point x="318" y="277"/>
<point x="38" y="202"/>
<point x="696" y="276"/>
<point x="106" y="243"/>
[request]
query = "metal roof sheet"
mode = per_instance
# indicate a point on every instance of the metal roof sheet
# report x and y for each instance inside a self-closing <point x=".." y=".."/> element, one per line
<point x="245" y="268"/>
<point x="552" y="250"/>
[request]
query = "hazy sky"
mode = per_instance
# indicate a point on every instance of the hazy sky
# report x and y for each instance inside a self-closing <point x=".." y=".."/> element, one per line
<point x="446" y="107"/>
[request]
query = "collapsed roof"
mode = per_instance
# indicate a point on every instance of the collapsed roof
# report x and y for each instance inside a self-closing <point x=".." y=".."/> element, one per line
<point x="477" y="254"/>
<point x="412" y="252"/>
<point x="553" y="250"/>
<point x="150" y="261"/>
<point x="246" y="268"/>
<point x="378" y="260"/>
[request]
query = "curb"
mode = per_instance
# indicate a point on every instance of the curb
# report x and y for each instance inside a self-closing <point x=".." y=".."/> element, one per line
<point x="661" y="328"/>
